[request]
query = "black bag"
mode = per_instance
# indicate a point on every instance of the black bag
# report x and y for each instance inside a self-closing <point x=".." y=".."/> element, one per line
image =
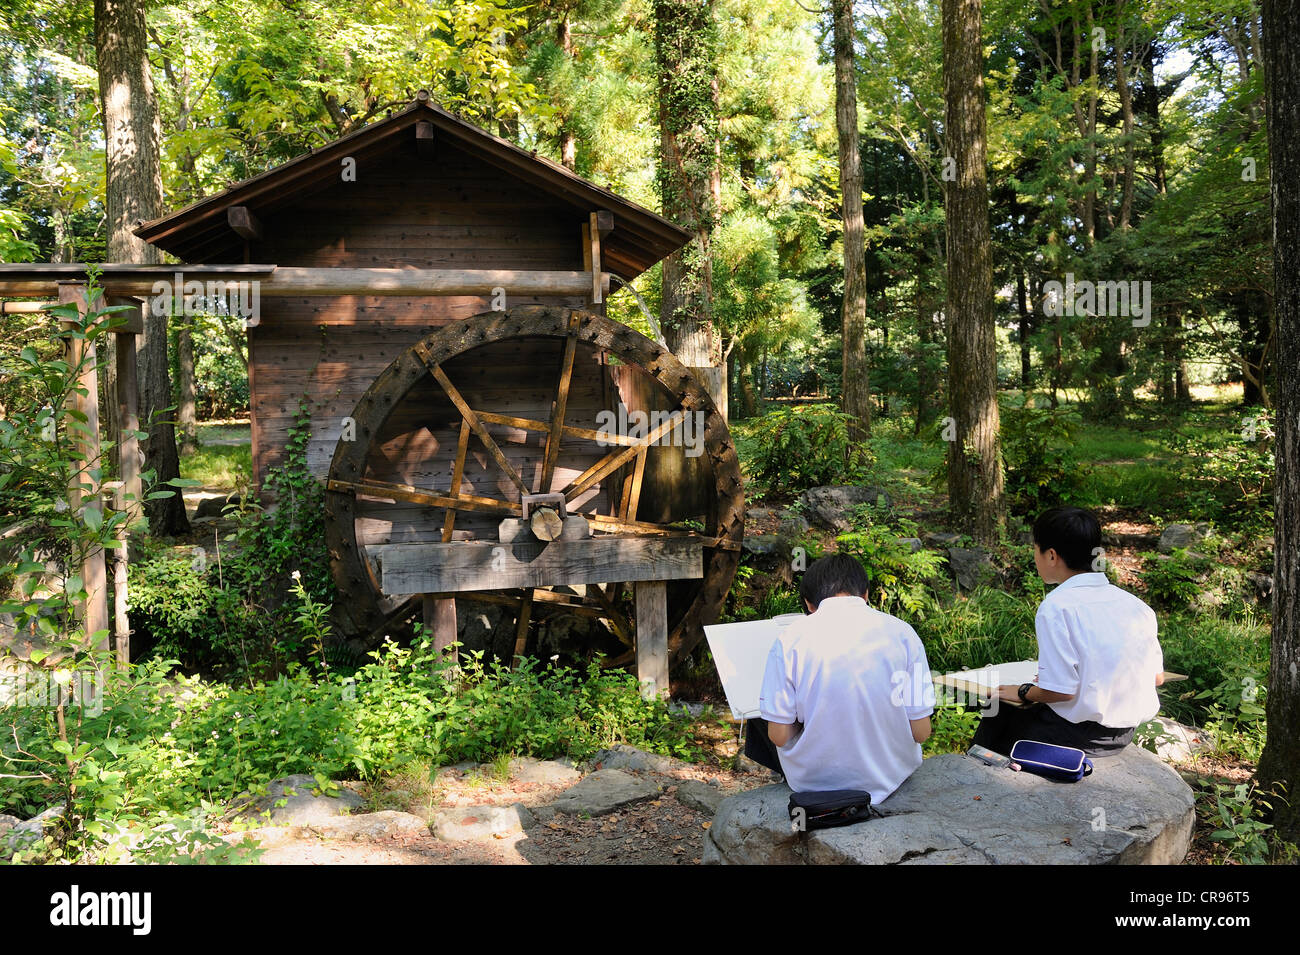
<point x="825" y="810"/>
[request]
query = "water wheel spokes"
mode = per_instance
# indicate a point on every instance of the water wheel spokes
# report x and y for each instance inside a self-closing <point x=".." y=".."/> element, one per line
<point x="515" y="451"/>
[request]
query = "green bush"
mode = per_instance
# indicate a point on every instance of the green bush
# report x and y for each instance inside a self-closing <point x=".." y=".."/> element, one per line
<point x="264" y="604"/>
<point x="1173" y="581"/>
<point x="802" y="447"/>
<point x="902" y="580"/>
<point x="1229" y="472"/>
<point x="1038" y="449"/>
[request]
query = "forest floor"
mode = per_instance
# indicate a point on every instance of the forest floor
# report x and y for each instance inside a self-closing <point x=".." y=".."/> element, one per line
<point x="664" y="830"/>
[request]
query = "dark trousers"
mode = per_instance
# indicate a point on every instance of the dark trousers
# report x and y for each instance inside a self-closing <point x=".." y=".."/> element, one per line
<point x="759" y="746"/>
<point x="1040" y="722"/>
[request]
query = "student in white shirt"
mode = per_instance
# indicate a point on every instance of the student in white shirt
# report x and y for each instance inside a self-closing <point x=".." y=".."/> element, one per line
<point x="847" y="693"/>
<point x="1099" y="662"/>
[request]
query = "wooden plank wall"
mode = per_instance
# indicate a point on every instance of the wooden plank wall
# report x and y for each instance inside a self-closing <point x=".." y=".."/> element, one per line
<point x="445" y="211"/>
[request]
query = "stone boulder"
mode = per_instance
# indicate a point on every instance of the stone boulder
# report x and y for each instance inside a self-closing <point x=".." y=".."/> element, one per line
<point x="213" y="508"/>
<point x="1176" y="742"/>
<point x="831" y="507"/>
<point x="970" y="566"/>
<point x="1182" y="535"/>
<point x="698" y="795"/>
<point x="604" y="791"/>
<point x="956" y="810"/>
<point x="468" y="823"/>
<point x="544" y="772"/>
<point x="296" y="801"/>
<point x="623" y="756"/>
<point x="942" y="539"/>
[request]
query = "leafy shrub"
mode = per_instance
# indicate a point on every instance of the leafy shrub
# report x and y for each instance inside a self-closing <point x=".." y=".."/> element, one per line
<point x="802" y="447"/>
<point x="1042" y="469"/>
<point x="1239" y="811"/>
<point x="1173" y="581"/>
<point x="1229" y="473"/>
<point x="242" y="614"/>
<point x="902" y="580"/>
<point x="952" y="727"/>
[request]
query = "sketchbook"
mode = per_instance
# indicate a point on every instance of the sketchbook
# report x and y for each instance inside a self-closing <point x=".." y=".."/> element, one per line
<point x="986" y="680"/>
<point x="740" y="653"/>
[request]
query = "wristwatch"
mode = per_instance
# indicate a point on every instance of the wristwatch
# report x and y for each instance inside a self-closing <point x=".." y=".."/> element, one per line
<point x="1023" y="692"/>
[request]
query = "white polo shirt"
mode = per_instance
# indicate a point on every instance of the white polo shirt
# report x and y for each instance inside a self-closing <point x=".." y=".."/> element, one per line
<point x="854" y="677"/>
<point x="1098" y="642"/>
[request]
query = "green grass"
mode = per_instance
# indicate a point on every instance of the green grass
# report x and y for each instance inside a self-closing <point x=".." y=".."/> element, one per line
<point x="225" y="432"/>
<point x="217" y="466"/>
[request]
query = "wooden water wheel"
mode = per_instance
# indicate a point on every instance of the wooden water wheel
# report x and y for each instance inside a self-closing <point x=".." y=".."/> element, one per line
<point x="466" y="423"/>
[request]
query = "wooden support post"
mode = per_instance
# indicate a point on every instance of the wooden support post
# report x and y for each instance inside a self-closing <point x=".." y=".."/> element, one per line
<point x="440" y="621"/>
<point x="121" y="622"/>
<point x="593" y="233"/>
<point x="652" y="638"/>
<point x="521" y="629"/>
<point x="559" y="407"/>
<point x="130" y="458"/>
<point x="84" y="492"/>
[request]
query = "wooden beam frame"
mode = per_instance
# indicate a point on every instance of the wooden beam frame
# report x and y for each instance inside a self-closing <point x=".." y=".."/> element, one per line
<point x="85" y="492"/>
<point x="487" y="505"/>
<point x="489" y="565"/>
<point x="246" y="225"/>
<point x="130" y="460"/>
<point x="571" y="431"/>
<point x="31" y="280"/>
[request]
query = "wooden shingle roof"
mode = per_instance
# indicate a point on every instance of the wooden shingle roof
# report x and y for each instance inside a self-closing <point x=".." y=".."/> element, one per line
<point x="200" y="232"/>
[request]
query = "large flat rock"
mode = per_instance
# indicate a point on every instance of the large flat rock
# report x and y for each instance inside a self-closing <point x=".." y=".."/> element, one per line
<point x="604" y="791"/>
<point x="955" y="810"/>
<point x="297" y="801"/>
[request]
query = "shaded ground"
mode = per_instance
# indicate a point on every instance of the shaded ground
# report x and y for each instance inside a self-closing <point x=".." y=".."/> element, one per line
<point x="663" y="830"/>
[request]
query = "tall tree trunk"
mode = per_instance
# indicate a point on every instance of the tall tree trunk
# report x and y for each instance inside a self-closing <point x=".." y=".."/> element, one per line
<point x="1126" y="111"/>
<point x="568" y="140"/>
<point x="1026" y="327"/>
<point x="686" y="43"/>
<point x="856" y="385"/>
<point x="1280" y="763"/>
<point x="186" y="414"/>
<point x="924" y="336"/>
<point x="132" y="135"/>
<point x="975" y="478"/>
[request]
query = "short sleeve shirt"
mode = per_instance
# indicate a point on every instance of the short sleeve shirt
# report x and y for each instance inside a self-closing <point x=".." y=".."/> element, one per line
<point x="1098" y="642"/>
<point x="855" y="678"/>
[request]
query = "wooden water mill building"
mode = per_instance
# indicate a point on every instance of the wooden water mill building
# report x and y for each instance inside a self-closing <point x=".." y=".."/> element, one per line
<point x="437" y="299"/>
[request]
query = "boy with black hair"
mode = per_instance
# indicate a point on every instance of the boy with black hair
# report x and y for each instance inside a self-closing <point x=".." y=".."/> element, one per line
<point x="1099" y="662"/>
<point x="847" y="695"/>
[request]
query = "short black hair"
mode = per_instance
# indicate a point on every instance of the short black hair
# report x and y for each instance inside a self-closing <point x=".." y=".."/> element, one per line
<point x="831" y="575"/>
<point x="1074" y="533"/>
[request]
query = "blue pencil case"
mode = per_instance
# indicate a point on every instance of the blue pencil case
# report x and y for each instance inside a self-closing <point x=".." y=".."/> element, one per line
<point x="1062" y="763"/>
